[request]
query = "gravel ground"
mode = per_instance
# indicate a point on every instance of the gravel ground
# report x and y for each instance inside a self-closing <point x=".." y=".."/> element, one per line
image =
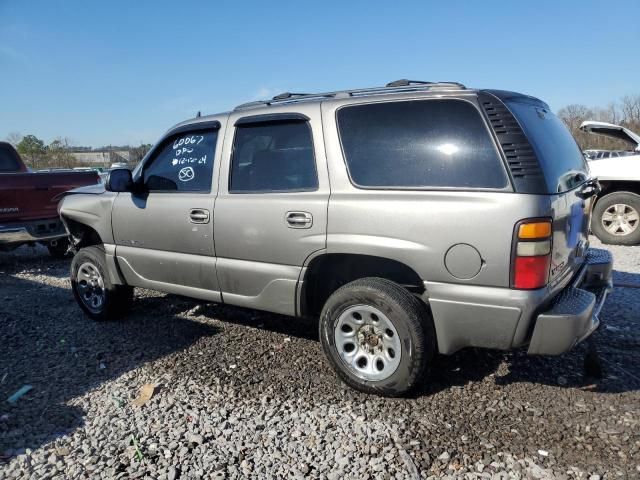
<point x="247" y="394"/>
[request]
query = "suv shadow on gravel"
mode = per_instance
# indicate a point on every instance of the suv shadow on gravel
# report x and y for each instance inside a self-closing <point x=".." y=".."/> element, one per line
<point x="305" y="328"/>
<point x="617" y="342"/>
<point x="48" y="345"/>
<point x="475" y="364"/>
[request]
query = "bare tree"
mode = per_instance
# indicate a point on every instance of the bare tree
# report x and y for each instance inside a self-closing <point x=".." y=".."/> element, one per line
<point x="14" y="138"/>
<point x="573" y="115"/>
<point x="58" y="154"/>
<point x="613" y="113"/>
<point x="630" y="105"/>
<point x="626" y="113"/>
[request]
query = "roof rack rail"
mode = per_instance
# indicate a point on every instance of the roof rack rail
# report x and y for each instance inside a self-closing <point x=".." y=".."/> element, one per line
<point x="286" y="95"/>
<point x="405" y="83"/>
<point x="398" y="86"/>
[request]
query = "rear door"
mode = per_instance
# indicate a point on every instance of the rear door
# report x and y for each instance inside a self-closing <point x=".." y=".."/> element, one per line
<point x="164" y="233"/>
<point x="271" y="210"/>
<point x="566" y="174"/>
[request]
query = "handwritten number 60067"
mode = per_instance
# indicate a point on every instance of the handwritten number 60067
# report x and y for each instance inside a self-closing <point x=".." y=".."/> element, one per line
<point x="191" y="140"/>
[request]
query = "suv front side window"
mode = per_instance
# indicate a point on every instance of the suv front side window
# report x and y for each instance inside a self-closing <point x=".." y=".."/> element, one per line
<point x="182" y="163"/>
<point x="274" y="156"/>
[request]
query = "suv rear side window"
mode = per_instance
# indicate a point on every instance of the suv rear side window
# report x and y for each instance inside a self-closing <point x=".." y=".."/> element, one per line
<point x="425" y="143"/>
<point x="183" y="163"/>
<point x="560" y="157"/>
<point x="273" y="157"/>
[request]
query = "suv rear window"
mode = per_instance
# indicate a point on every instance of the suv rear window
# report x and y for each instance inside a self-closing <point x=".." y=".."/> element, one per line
<point x="424" y="143"/>
<point x="560" y="157"/>
<point x="8" y="161"/>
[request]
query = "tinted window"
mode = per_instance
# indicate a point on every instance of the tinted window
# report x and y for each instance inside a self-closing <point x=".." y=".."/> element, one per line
<point x="183" y="163"/>
<point x="8" y="161"/>
<point x="560" y="157"/>
<point x="274" y="156"/>
<point x="428" y="143"/>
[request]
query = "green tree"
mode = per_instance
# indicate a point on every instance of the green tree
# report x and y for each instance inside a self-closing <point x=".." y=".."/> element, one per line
<point x="32" y="150"/>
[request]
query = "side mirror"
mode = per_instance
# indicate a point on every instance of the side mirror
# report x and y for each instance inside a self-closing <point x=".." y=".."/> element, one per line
<point x="119" y="180"/>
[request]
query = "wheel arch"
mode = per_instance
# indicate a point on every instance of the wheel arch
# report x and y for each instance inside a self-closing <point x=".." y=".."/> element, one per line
<point x="611" y="186"/>
<point x="82" y="235"/>
<point x="327" y="272"/>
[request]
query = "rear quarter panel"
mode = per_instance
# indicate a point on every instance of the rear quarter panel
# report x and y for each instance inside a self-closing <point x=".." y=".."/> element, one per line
<point x="419" y="227"/>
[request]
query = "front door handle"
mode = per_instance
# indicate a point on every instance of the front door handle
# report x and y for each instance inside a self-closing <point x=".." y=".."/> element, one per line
<point x="199" y="215"/>
<point x="299" y="219"/>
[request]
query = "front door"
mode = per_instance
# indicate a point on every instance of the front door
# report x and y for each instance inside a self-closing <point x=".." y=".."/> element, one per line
<point x="164" y="233"/>
<point x="271" y="210"/>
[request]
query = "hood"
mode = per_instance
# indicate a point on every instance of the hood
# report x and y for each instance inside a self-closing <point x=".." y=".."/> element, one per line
<point x="614" y="131"/>
<point x="96" y="189"/>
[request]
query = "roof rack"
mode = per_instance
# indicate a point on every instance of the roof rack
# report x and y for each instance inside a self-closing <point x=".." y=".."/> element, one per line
<point x="398" y="86"/>
<point x="405" y="83"/>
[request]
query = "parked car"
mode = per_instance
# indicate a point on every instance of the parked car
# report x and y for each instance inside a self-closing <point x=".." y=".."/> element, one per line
<point x="600" y="154"/>
<point x="28" y="203"/>
<point x="411" y="219"/>
<point x="616" y="215"/>
<point x="89" y="169"/>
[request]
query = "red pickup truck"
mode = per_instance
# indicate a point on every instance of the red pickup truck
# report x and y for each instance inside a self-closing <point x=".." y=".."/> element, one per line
<point x="29" y="203"/>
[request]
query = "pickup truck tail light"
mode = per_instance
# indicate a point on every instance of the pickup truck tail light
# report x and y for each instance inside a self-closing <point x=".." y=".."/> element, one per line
<point x="531" y="257"/>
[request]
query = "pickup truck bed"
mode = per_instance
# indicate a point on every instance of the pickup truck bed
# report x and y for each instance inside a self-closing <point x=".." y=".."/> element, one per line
<point x="29" y="201"/>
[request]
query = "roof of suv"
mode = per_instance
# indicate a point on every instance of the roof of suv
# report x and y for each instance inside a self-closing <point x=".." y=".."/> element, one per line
<point x="403" y="86"/>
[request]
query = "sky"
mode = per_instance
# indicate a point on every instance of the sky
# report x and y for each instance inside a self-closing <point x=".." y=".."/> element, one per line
<point x="122" y="72"/>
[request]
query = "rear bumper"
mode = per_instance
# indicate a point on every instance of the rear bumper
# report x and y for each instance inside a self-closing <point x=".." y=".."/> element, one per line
<point x="33" y="231"/>
<point x="573" y="314"/>
<point x="504" y="318"/>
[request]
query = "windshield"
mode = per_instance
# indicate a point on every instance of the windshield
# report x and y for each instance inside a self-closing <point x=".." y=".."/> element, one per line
<point x="560" y="157"/>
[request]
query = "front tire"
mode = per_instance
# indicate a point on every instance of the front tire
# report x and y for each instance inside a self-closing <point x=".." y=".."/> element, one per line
<point x="92" y="289"/>
<point x="616" y="219"/>
<point x="377" y="336"/>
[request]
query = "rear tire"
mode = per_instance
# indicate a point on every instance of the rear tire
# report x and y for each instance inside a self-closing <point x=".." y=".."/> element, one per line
<point x="616" y="219"/>
<point x="378" y="337"/>
<point x="92" y="289"/>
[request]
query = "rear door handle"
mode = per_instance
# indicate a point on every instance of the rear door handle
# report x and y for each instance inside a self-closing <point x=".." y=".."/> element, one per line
<point x="299" y="219"/>
<point x="199" y="215"/>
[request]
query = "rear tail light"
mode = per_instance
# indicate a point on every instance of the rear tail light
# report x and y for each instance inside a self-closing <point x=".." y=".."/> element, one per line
<point x="532" y="254"/>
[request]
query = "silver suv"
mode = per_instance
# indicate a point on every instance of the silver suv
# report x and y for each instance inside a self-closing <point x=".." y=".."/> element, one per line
<point x="410" y="219"/>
